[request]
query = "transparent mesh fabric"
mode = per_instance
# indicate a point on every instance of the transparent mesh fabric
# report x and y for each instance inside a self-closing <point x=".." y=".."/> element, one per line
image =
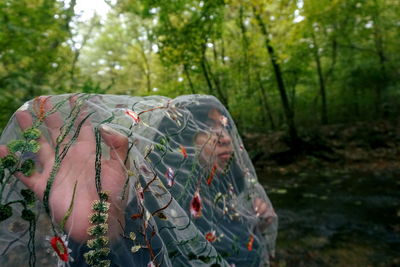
<point x="105" y="180"/>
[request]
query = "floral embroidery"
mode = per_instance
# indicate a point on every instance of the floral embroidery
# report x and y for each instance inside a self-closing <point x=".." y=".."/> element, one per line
<point x="136" y="216"/>
<point x="5" y="212"/>
<point x="212" y="173"/>
<point x="61" y="250"/>
<point x="98" y="244"/>
<point x="140" y="192"/>
<point x="183" y="151"/>
<point x="210" y="236"/>
<point x="170" y="176"/>
<point x="231" y="189"/>
<point x="136" y="248"/>
<point x="59" y="247"/>
<point x="39" y="103"/>
<point x="133" y="115"/>
<point x="250" y="243"/>
<point x="223" y="120"/>
<point x="159" y="173"/>
<point x="196" y="205"/>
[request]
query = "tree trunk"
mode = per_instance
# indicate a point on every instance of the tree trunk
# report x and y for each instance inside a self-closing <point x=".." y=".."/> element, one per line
<point x="220" y="94"/>
<point x="267" y="109"/>
<point x="93" y="22"/>
<point x="187" y="74"/>
<point x="146" y="68"/>
<point x="278" y="75"/>
<point x="210" y="77"/>
<point x="206" y="76"/>
<point x="329" y="73"/>
<point x="245" y="47"/>
<point x="324" y="109"/>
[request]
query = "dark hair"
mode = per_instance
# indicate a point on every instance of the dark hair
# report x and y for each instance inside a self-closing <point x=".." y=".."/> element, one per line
<point x="201" y="110"/>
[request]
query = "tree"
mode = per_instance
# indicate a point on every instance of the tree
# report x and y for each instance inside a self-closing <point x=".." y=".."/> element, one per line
<point x="33" y="50"/>
<point x="278" y="74"/>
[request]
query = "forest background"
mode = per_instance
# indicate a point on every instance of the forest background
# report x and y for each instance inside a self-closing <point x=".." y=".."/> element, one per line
<point x="292" y="69"/>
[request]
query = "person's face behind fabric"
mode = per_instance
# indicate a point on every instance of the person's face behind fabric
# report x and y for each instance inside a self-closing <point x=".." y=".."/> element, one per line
<point x="215" y="146"/>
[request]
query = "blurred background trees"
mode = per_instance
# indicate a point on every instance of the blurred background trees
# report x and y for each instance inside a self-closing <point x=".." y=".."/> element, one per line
<point x="274" y="64"/>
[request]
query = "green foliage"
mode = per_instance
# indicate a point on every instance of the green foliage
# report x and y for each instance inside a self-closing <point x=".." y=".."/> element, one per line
<point x="339" y="60"/>
<point x="32" y="49"/>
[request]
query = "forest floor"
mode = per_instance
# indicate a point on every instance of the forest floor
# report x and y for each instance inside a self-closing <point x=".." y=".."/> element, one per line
<point x="338" y="199"/>
<point x="362" y="146"/>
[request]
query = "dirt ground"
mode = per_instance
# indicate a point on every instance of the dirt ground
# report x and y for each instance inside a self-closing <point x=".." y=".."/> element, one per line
<point x="361" y="146"/>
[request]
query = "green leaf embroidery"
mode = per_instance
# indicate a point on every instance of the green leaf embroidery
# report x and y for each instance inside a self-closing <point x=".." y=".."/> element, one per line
<point x="28" y="215"/>
<point x="160" y="147"/>
<point x="69" y="211"/>
<point x="9" y="161"/>
<point x="33" y="146"/>
<point x="5" y="212"/>
<point x="1" y="171"/>
<point x="136" y="248"/>
<point x="31" y="133"/>
<point x="132" y="236"/>
<point x="28" y="167"/>
<point x="16" y="145"/>
<point x="22" y="146"/>
<point x="103" y="196"/>
<point x="28" y="195"/>
<point x="97" y="243"/>
<point x="96" y="218"/>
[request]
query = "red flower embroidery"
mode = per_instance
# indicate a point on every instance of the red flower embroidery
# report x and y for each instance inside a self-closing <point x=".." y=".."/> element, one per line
<point x="136" y="216"/>
<point x="195" y="205"/>
<point x="59" y="247"/>
<point x="183" y="151"/>
<point x="212" y="173"/>
<point x="211" y="237"/>
<point x="134" y="116"/>
<point x="250" y="243"/>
